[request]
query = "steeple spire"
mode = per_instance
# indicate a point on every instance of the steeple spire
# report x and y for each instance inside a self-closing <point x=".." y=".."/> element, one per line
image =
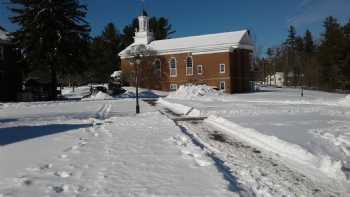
<point x="144" y="35"/>
<point x="143" y="10"/>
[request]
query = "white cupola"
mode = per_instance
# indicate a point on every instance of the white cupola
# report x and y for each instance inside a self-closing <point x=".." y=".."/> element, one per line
<point x="143" y="35"/>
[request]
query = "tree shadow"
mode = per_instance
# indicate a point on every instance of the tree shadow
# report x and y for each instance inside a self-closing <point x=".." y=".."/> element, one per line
<point x="8" y="120"/>
<point x="142" y="94"/>
<point x="17" y="134"/>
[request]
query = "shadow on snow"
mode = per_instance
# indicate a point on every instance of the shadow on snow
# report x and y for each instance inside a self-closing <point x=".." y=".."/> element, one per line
<point x="17" y="134"/>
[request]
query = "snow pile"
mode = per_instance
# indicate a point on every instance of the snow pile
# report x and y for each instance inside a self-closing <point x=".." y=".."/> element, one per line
<point x="291" y="152"/>
<point x="98" y="96"/>
<point x="180" y="109"/>
<point x="116" y="74"/>
<point x="78" y="93"/>
<point x="345" y="101"/>
<point x="192" y="91"/>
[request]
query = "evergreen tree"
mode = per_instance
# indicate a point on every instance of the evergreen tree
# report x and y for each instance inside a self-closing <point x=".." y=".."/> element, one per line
<point x="291" y="67"/>
<point x="332" y="54"/>
<point x="311" y="69"/>
<point x="129" y="33"/>
<point x="104" y="58"/>
<point x="52" y="34"/>
<point x="309" y="45"/>
<point x="346" y="65"/>
<point x="159" y="26"/>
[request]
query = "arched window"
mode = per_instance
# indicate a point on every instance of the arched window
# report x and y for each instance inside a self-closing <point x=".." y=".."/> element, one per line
<point x="172" y="67"/>
<point x="157" y="67"/>
<point x="189" y="66"/>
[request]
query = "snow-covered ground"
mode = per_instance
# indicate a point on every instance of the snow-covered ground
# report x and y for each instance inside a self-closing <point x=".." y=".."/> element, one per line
<point x="271" y="143"/>
<point x="310" y="134"/>
<point x="101" y="148"/>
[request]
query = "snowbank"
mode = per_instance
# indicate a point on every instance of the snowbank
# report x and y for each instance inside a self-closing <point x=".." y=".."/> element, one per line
<point x="116" y="74"/>
<point x="180" y="109"/>
<point x="345" y="101"/>
<point x="98" y="96"/>
<point x="291" y="152"/>
<point x="192" y="91"/>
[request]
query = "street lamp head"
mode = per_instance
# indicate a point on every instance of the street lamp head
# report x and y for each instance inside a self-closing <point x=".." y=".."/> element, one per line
<point x="137" y="50"/>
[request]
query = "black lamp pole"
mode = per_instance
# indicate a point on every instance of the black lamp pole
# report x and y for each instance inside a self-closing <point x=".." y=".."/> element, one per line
<point x="137" y="84"/>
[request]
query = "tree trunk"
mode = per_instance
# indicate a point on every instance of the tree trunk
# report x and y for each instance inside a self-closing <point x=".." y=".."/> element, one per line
<point x="53" y="88"/>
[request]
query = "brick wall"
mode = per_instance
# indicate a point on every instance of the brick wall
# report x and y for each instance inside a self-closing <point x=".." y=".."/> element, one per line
<point x="235" y="76"/>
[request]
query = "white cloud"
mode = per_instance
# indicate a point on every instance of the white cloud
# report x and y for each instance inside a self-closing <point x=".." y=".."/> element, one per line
<point x="314" y="11"/>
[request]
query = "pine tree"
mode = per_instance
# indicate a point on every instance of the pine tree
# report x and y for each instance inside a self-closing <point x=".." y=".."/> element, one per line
<point x="309" y="45"/>
<point x="332" y="54"/>
<point x="346" y="64"/>
<point x="291" y="67"/>
<point x="159" y="26"/>
<point x="104" y="58"/>
<point x="311" y="68"/>
<point x="52" y="34"/>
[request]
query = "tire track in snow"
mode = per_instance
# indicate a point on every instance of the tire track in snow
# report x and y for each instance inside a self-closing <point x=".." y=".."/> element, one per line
<point x="254" y="168"/>
<point x="103" y="111"/>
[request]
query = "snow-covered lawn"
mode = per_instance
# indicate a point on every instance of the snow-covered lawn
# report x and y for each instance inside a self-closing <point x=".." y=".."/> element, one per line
<point x="311" y="134"/>
<point x="100" y="148"/>
<point x="271" y="143"/>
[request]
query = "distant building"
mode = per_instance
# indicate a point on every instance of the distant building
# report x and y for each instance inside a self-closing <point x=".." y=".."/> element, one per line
<point x="222" y="60"/>
<point x="10" y="75"/>
<point x="276" y="79"/>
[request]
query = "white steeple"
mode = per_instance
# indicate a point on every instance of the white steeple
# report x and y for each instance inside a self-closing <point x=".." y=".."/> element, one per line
<point x="143" y="35"/>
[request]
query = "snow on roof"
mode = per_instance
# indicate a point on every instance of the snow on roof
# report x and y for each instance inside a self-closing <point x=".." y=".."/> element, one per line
<point x="199" y="41"/>
<point x="203" y="43"/>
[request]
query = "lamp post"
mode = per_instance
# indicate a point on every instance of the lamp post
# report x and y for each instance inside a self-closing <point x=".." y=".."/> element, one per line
<point x="138" y="62"/>
<point x="136" y="54"/>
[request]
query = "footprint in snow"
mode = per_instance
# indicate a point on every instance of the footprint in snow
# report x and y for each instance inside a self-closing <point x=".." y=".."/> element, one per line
<point x="63" y="174"/>
<point x="59" y="189"/>
<point x="63" y="156"/>
<point x="202" y="163"/>
<point x="46" y="166"/>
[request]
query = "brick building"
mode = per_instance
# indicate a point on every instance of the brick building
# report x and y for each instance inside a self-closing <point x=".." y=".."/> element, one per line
<point x="222" y="60"/>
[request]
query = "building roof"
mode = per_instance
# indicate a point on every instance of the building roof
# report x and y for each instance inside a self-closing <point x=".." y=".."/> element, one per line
<point x="209" y="43"/>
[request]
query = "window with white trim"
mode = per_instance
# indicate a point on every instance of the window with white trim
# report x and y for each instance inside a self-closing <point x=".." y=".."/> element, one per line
<point x="222" y="85"/>
<point x="157" y="68"/>
<point x="200" y="69"/>
<point x="173" y="87"/>
<point x="172" y="67"/>
<point x="189" y="66"/>
<point x="222" y="68"/>
<point x="2" y="53"/>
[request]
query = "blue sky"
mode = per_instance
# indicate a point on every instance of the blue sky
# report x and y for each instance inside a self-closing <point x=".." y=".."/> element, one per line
<point x="268" y="19"/>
